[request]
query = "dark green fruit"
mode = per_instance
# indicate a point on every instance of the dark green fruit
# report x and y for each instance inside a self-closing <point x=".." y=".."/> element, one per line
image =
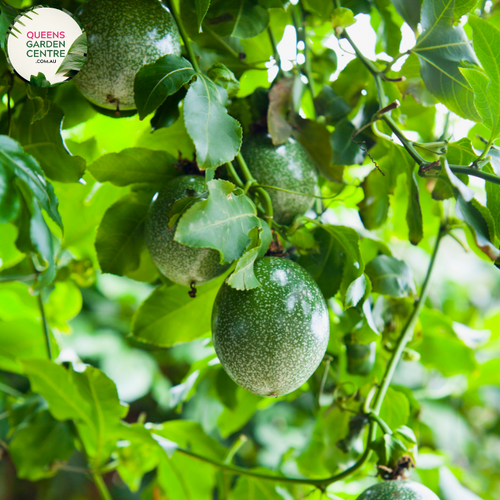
<point x="398" y="490"/>
<point x="271" y="339"/>
<point x="123" y="36"/>
<point x="179" y="263"/>
<point x="288" y="166"/>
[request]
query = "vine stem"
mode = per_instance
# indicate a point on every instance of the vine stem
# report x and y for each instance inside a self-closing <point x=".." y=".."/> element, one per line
<point x="184" y="35"/>
<point x="10" y="279"/>
<point x="263" y="194"/>
<point x="45" y="324"/>
<point x="101" y="486"/>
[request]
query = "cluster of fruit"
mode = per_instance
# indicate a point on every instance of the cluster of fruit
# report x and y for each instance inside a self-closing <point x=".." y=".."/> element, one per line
<point x="269" y="339"/>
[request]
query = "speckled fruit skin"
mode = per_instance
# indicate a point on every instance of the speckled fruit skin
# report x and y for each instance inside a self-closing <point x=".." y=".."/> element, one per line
<point x="271" y="339"/>
<point x="288" y="166"/>
<point x="123" y="36"/>
<point x="398" y="490"/>
<point x="179" y="263"/>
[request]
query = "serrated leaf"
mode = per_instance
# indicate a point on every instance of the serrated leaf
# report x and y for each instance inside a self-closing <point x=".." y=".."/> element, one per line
<point x="388" y="449"/>
<point x="134" y="166"/>
<point x="330" y="105"/>
<point x="216" y="135"/>
<point x="155" y="82"/>
<point x="120" y="237"/>
<point x="390" y="276"/>
<point x="243" y="277"/>
<point x="222" y="222"/>
<point x="396" y="409"/>
<point x="486" y="85"/>
<point x="442" y="48"/>
<point x="43" y="140"/>
<point x="169" y="316"/>
<point x="76" y="56"/>
<point x="250" y="19"/>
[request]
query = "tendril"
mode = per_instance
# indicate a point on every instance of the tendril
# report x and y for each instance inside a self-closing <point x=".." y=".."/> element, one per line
<point x="367" y="153"/>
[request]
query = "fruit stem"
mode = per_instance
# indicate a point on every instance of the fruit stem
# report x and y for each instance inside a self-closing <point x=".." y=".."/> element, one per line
<point x="265" y="199"/>
<point x="45" y="324"/>
<point x="101" y="486"/>
<point x="184" y="35"/>
<point x="234" y="175"/>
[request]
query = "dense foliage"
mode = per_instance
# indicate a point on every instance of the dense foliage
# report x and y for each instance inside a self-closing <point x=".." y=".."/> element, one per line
<point x="109" y="381"/>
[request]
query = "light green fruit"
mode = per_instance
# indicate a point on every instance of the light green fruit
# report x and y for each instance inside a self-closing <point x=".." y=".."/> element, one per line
<point x="123" y="36"/>
<point x="398" y="490"/>
<point x="179" y="263"/>
<point x="271" y="339"/>
<point x="288" y="166"/>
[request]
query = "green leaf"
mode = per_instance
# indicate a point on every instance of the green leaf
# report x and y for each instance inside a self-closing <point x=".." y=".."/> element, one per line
<point x="493" y="203"/>
<point x="76" y="56"/>
<point x="396" y="409"/>
<point x="345" y="150"/>
<point x="407" y="433"/>
<point x="481" y="224"/>
<point x="222" y="222"/>
<point x="43" y="140"/>
<point x="250" y="19"/>
<point x="190" y="435"/>
<point x="41" y="446"/>
<point x="88" y="398"/>
<point x="7" y="16"/>
<point x="155" y="82"/>
<point x="315" y="138"/>
<point x="169" y="316"/>
<point x="168" y="113"/>
<point x="438" y="337"/>
<point x="442" y="48"/>
<point x="390" y="276"/>
<point x="346" y="241"/>
<point x="325" y="262"/>
<point x="25" y="167"/>
<point x="342" y="18"/>
<point x="389" y="449"/>
<point x="216" y="135"/>
<point x="21" y="339"/>
<point x="201" y="11"/>
<point x="486" y="87"/>
<point x="250" y="488"/>
<point x="135" y="165"/>
<point x="331" y="105"/>
<point x="243" y="277"/>
<point x="409" y="10"/>
<point x="360" y="357"/>
<point x="43" y="241"/>
<point x="10" y="201"/>
<point x="389" y="32"/>
<point x="120" y="237"/>
<point x="225" y="78"/>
